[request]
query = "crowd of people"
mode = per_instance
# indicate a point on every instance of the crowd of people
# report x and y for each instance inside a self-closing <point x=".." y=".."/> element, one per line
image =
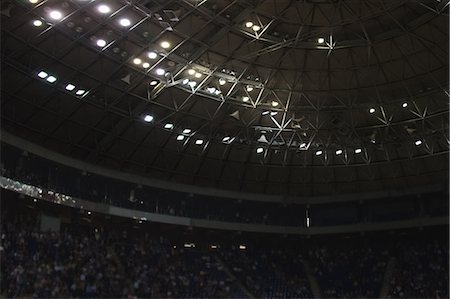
<point x="269" y="273"/>
<point x="422" y="271"/>
<point x="94" y="263"/>
<point x="350" y="272"/>
<point x="99" y="262"/>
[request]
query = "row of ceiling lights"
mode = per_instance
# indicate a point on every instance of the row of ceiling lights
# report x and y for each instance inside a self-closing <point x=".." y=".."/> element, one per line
<point x="52" y="79"/>
<point x="256" y="28"/>
<point x="338" y="152"/>
<point x="104" y="9"/>
<point x="259" y="150"/>
<point x="125" y="22"/>
<point x="373" y="110"/>
<point x="169" y="126"/>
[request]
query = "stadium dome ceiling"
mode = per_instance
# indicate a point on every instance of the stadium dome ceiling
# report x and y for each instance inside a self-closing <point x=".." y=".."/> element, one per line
<point x="272" y="96"/>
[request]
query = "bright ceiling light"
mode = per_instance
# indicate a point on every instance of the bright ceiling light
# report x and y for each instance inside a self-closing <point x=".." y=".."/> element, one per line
<point x="185" y="81"/>
<point x="42" y="74"/>
<point x="101" y="43"/>
<point x="245" y="99"/>
<point x="80" y="92"/>
<point x="152" y="55"/>
<point x="37" y="23"/>
<point x="124" y="22"/>
<point x="70" y="87"/>
<point x="404" y="105"/>
<point x="51" y="79"/>
<point x="338" y="152"/>
<point x="199" y="141"/>
<point x="55" y="15"/>
<point x="211" y="89"/>
<point x="148" y="118"/>
<point x="198" y="75"/>
<point x="180" y="137"/>
<point x="274" y="103"/>
<point x="192" y="83"/>
<point x="187" y="131"/>
<point x="248" y="24"/>
<point x="160" y="72"/>
<point x="33" y="1"/>
<point x="222" y="81"/>
<point x="191" y="72"/>
<point x="319" y="152"/>
<point x="320" y="40"/>
<point x="146" y="65"/>
<point x="249" y="88"/>
<point x="358" y="151"/>
<point x="137" y="61"/>
<point x="165" y="44"/>
<point x="103" y="9"/>
<point x="273" y="113"/>
<point x="153" y="83"/>
<point x="226" y="138"/>
<point x="303" y="145"/>
<point x="372" y="110"/>
<point x="168" y="126"/>
<point x="256" y="27"/>
<point x="418" y="142"/>
<point x="259" y="150"/>
<point x="265" y="112"/>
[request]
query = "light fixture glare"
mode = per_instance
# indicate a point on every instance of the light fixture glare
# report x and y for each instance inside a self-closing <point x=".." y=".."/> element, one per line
<point x="148" y="118"/>
<point x="124" y="22"/>
<point x="101" y="43"/>
<point x="165" y="44"/>
<point x="256" y="28"/>
<point x="51" y="79"/>
<point x="42" y="75"/>
<point x="104" y="9"/>
<point x="55" y="15"/>
<point x="37" y="23"/>
<point x="152" y="55"/>
<point x="70" y="87"/>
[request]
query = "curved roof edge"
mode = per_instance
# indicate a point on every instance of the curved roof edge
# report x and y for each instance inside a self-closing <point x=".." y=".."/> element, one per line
<point x="151" y="182"/>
